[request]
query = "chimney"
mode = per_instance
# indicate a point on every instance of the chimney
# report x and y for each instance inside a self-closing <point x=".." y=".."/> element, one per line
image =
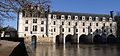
<point x="111" y="14"/>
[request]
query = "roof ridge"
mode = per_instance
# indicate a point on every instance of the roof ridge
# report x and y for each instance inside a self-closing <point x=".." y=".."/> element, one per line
<point x="79" y="13"/>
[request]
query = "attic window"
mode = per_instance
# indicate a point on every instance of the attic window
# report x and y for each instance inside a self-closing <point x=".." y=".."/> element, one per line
<point x="76" y="17"/>
<point x="69" y="17"/>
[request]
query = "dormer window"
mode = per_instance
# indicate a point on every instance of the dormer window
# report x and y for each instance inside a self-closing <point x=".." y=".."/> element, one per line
<point x="76" y="17"/>
<point x="103" y="18"/>
<point x="62" y="16"/>
<point x="97" y="19"/>
<point x="83" y="17"/>
<point x="90" y="18"/>
<point x="69" y="17"/>
<point x="110" y="19"/>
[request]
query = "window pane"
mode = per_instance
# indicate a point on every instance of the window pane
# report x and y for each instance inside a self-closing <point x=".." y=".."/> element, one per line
<point x="42" y="22"/>
<point x="54" y="23"/>
<point x="26" y="21"/>
<point x="75" y="23"/>
<point x="26" y="28"/>
<point x="90" y="24"/>
<point x="110" y="24"/>
<point x="83" y="24"/>
<point x="62" y="23"/>
<point x="90" y="30"/>
<point x="33" y="28"/>
<point x="76" y="30"/>
<point x="83" y="30"/>
<point x="36" y="28"/>
<point x="34" y="20"/>
<point x="68" y="23"/>
<point x="68" y="29"/>
<point x="62" y="29"/>
<point x="42" y="29"/>
<point x="54" y="29"/>
<point x="103" y="24"/>
<point x="96" y="24"/>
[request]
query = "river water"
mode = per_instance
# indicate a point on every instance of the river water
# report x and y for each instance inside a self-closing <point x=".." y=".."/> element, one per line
<point x="76" y="50"/>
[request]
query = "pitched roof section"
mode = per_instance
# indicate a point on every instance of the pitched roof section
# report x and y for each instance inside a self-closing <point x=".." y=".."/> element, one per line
<point x="81" y="14"/>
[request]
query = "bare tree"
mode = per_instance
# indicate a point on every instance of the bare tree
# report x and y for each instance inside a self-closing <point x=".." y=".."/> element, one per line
<point x="9" y="9"/>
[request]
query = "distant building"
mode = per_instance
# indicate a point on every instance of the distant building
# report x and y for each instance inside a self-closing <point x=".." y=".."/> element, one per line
<point x="34" y="21"/>
<point x="8" y="32"/>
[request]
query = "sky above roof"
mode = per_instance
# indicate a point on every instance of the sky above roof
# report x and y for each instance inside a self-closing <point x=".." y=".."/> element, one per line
<point x="86" y="6"/>
<point x="82" y="6"/>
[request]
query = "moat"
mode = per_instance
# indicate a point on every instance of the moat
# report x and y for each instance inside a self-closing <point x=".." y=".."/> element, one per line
<point x="76" y="50"/>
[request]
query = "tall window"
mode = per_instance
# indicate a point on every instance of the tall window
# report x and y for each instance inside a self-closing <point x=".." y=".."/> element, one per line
<point x="68" y="29"/>
<point x="96" y="24"/>
<point x="42" y="22"/>
<point x="26" y="28"/>
<point x="62" y="29"/>
<point x="110" y="24"/>
<point x="62" y="23"/>
<point x="51" y="16"/>
<point x="76" y="30"/>
<point x="103" y="24"/>
<point x="83" y="24"/>
<point x="90" y="30"/>
<point x="111" y="30"/>
<point x="75" y="23"/>
<point x="54" y="22"/>
<point x="83" y="30"/>
<point x="42" y="29"/>
<point x="54" y="30"/>
<point x="34" y="27"/>
<point x="34" y="20"/>
<point x="26" y="21"/>
<point x="68" y="23"/>
<point x="90" y="24"/>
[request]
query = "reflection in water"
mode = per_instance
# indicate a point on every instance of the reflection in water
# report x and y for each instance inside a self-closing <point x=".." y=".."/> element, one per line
<point x="77" y="50"/>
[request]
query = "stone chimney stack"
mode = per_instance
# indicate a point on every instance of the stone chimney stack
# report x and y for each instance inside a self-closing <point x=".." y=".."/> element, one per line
<point x="111" y="14"/>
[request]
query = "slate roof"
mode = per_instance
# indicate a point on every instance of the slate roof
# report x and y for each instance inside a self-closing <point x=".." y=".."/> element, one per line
<point x="100" y="16"/>
<point x="80" y="14"/>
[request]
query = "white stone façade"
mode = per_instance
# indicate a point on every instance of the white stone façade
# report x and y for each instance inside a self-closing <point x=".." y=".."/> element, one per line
<point x="64" y="23"/>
